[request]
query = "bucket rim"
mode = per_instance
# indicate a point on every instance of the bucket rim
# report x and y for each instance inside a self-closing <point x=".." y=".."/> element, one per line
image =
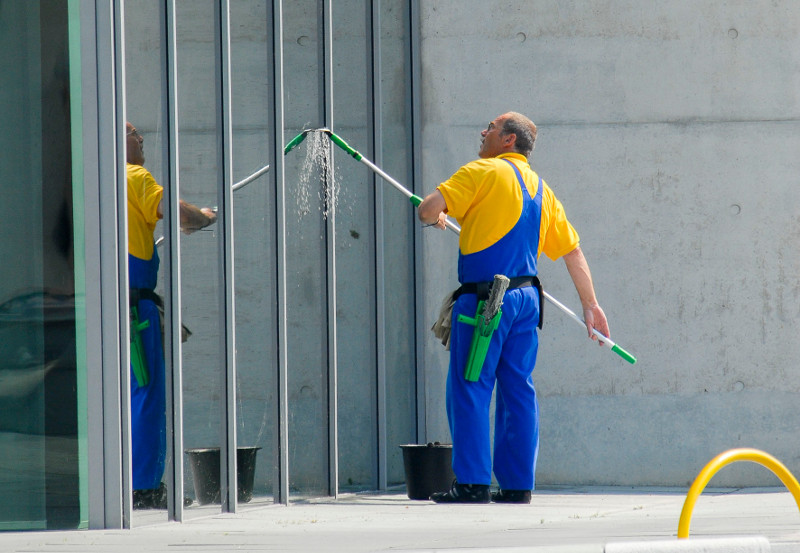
<point x="427" y="446"/>
<point x="217" y="449"/>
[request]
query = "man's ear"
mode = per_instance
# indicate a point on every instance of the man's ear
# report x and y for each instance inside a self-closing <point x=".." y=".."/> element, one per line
<point x="510" y="139"/>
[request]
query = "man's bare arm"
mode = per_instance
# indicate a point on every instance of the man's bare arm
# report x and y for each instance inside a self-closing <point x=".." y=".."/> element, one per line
<point x="433" y="210"/>
<point x="593" y="314"/>
<point x="192" y="218"/>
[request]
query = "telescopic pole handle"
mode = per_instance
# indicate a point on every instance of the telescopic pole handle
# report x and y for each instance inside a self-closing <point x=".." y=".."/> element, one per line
<point x="624" y="354"/>
<point x="603" y="338"/>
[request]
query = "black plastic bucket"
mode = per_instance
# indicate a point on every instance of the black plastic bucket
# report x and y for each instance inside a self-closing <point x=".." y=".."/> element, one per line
<point x="428" y="467"/>
<point x="205" y="473"/>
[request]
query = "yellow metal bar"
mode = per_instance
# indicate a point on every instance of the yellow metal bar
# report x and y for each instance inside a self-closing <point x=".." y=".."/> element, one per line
<point x="726" y="458"/>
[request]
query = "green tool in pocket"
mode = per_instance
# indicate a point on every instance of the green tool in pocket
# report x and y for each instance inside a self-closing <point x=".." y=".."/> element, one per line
<point x="486" y="321"/>
<point x="138" y="355"/>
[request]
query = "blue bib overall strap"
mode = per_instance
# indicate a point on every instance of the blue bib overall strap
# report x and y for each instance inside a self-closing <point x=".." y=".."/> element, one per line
<point x="515" y="254"/>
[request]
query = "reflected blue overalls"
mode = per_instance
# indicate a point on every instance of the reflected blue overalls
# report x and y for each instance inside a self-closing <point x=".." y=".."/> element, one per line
<point x="148" y="403"/>
<point x="509" y="362"/>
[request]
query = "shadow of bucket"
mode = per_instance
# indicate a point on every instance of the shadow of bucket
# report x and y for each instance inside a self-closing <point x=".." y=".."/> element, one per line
<point x="428" y="467"/>
<point x="205" y="473"/>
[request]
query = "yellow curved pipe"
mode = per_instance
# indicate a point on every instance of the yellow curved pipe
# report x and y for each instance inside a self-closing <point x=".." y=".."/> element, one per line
<point x="726" y="458"/>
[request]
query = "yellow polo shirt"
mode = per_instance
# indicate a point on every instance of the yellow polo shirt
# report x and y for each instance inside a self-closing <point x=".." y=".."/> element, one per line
<point x="144" y="195"/>
<point x="485" y="198"/>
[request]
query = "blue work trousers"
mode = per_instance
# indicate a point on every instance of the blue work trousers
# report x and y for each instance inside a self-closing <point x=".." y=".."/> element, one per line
<point x="509" y="363"/>
<point x="148" y="407"/>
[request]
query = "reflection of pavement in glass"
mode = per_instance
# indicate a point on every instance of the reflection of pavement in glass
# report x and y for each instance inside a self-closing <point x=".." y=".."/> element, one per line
<point x="22" y="381"/>
<point x="38" y="411"/>
<point x="153" y="516"/>
<point x="34" y="467"/>
<point x="37" y="358"/>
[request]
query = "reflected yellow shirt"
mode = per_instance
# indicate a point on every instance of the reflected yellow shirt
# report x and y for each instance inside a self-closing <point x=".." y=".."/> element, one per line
<point x="485" y="198"/>
<point x="144" y="195"/>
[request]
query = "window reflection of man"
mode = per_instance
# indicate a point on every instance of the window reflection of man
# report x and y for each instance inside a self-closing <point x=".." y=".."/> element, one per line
<point x="148" y="391"/>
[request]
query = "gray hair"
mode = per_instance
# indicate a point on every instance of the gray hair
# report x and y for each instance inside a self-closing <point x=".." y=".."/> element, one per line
<point x="524" y="128"/>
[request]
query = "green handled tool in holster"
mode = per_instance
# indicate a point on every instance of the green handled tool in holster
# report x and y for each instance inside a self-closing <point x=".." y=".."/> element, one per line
<point x="138" y="355"/>
<point x="486" y="321"/>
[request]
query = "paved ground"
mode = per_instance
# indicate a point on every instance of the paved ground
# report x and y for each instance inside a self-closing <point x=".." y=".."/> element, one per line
<point x="566" y="520"/>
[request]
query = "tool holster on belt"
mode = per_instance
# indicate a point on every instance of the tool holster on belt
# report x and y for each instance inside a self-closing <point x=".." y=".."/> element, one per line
<point x="486" y="321"/>
<point x="487" y="315"/>
<point x="138" y="354"/>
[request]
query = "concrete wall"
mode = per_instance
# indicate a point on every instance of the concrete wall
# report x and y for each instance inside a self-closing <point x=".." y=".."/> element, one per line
<point x="670" y="132"/>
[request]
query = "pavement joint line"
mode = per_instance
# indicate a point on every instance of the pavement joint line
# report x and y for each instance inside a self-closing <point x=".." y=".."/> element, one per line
<point x="741" y="544"/>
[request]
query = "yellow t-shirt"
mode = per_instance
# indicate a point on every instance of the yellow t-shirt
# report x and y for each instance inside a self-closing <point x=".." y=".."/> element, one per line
<point x="144" y="195"/>
<point x="485" y="198"/>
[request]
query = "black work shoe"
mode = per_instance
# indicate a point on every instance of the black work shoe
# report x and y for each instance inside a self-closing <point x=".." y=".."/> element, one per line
<point x="463" y="493"/>
<point x="512" y="496"/>
<point x="145" y="499"/>
<point x="155" y="498"/>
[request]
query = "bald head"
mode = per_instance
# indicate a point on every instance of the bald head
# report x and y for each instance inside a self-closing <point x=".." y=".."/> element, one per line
<point x="134" y="145"/>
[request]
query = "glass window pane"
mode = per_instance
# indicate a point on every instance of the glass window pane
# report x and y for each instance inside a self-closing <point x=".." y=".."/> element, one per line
<point x="355" y="250"/>
<point x="201" y="264"/>
<point x="254" y="247"/>
<point x="147" y="173"/>
<point x="398" y="220"/>
<point x="41" y="478"/>
<point x="306" y="246"/>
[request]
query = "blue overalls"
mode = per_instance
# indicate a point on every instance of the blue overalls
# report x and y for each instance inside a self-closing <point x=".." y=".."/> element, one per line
<point x="148" y="403"/>
<point x="509" y="362"/>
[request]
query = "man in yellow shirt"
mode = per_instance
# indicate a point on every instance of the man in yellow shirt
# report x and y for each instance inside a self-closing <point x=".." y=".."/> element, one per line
<point x="508" y="216"/>
<point x="148" y="392"/>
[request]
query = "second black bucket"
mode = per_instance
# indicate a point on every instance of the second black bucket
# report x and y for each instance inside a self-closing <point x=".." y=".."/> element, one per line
<point x="205" y="473"/>
<point x="428" y="469"/>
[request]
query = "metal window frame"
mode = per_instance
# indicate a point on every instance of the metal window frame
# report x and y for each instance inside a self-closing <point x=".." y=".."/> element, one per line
<point x="107" y="322"/>
<point x="228" y="476"/>
<point x="326" y="107"/>
<point x="102" y="74"/>
<point x="280" y="449"/>
<point x="375" y="121"/>
<point x="414" y="78"/>
<point x="173" y="351"/>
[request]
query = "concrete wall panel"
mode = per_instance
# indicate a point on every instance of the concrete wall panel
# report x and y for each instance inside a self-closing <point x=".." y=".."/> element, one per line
<point x="669" y="132"/>
<point x="611" y="61"/>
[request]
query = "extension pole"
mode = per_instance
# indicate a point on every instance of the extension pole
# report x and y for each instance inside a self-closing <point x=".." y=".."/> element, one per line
<point x="251" y="178"/>
<point x="291" y="145"/>
<point x="416" y="200"/>
<point x="247" y="180"/>
<point x="605" y="339"/>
